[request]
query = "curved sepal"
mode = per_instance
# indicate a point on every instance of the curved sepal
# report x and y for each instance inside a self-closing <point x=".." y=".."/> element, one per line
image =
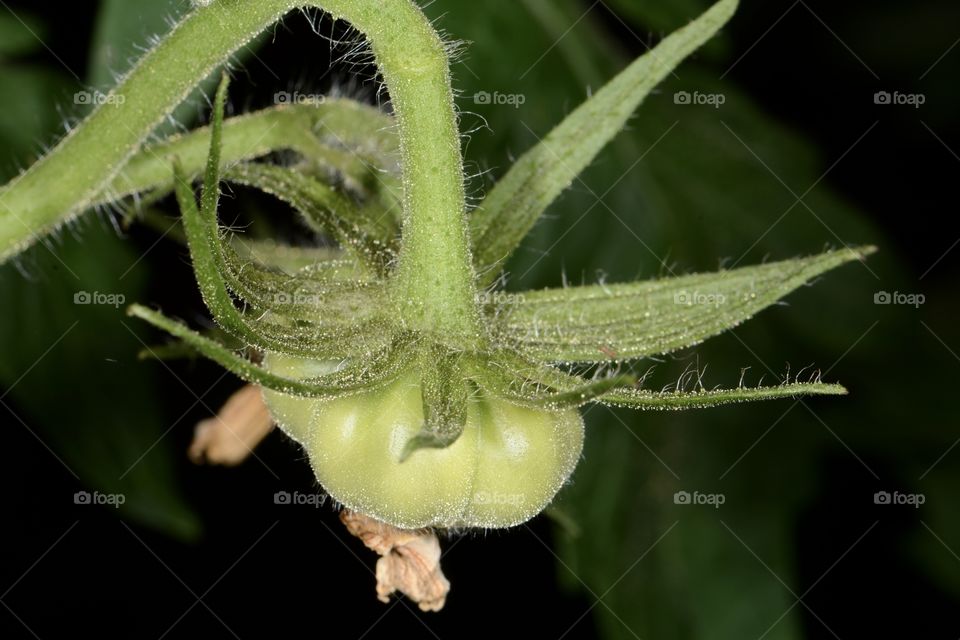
<point x="678" y="400"/>
<point x="536" y="385"/>
<point x="627" y="321"/>
<point x="445" y="393"/>
<point x="373" y="240"/>
<point x="379" y="368"/>
<point x="512" y="207"/>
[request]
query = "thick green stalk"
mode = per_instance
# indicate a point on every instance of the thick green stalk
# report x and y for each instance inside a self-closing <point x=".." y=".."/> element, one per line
<point x="435" y="277"/>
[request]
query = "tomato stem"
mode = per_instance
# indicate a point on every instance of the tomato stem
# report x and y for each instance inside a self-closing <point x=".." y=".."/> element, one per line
<point x="434" y="284"/>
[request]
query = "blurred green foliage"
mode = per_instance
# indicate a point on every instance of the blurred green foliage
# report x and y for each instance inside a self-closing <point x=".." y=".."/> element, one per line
<point x="68" y="378"/>
<point x="690" y="188"/>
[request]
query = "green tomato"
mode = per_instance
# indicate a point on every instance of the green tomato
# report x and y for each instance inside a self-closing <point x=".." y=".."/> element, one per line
<point x="504" y="469"/>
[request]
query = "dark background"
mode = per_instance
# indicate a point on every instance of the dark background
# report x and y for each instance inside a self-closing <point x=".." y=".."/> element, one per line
<point x="799" y="522"/>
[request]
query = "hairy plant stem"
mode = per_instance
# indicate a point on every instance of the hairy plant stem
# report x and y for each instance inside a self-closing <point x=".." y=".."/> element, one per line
<point x="434" y="284"/>
<point x="341" y="135"/>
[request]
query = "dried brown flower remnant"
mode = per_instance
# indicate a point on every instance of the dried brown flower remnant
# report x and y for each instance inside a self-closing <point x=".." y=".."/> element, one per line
<point x="409" y="563"/>
<point x="229" y="437"/>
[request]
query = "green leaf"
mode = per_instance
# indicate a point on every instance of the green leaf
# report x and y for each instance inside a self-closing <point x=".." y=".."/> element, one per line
<point x="679" y="188"/>
<point x="675" y="571"/>
<point x="656" y="15"/>
<point x="627" y="321"/>
<point x="510" y="210"/>
<point x="20" y="34"/>
<point x="652" y="16"/>
<point x="28" y="99"/>
<point x="70" y="373"/>
<point x="121" y="30"/>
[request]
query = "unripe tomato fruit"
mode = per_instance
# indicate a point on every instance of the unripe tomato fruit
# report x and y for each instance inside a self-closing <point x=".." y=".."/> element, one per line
<point x="504" y="469"/>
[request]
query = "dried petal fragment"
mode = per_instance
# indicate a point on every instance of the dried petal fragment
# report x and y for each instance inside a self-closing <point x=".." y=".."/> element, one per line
<point x="409" y="563"/>
<point x="229" y="437"/>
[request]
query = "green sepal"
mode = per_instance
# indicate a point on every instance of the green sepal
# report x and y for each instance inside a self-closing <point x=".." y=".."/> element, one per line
<point x="445" y="392"/>
<point x="515" y="378"/>
<point x="325" y="210"/>
<point x="679" y="400"/>
<point x="618" y="322"/>
<point x="512" y="207"/>
<point x="379" y="368"/>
